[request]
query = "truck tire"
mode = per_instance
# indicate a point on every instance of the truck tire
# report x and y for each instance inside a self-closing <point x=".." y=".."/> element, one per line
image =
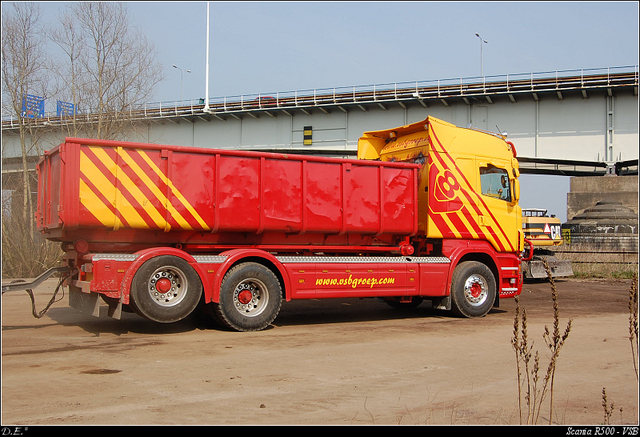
<point x="250" y="297"/>
<point x="473" y="289"/>
<point x="165" y="289"/>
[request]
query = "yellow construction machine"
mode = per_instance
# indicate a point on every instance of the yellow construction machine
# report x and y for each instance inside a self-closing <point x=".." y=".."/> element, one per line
<point x="544" y="233"/>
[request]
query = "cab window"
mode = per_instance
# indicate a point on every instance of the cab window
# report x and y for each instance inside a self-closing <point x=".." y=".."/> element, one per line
<point x="494" y="182"/>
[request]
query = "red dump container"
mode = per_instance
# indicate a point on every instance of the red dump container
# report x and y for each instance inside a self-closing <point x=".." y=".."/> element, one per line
<point x="122" y="192"/>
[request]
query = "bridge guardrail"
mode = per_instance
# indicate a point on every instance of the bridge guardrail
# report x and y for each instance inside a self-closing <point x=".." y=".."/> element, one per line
<point x="359" y="94"/>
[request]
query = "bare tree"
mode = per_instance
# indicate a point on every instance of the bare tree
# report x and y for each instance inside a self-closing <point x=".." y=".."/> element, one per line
<point x="113" y="67"/>
<point x="71" y="40"/>
<point x="108" y="70"/>
<point x="23" y="74"/>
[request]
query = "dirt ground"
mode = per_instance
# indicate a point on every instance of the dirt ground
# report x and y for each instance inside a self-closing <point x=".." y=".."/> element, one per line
<point x="326" y="362"/>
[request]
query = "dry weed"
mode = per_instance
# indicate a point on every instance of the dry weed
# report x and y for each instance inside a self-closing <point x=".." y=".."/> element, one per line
<point x="633" y="321"/>
<point x="536" y="390"/>
<point x="608" y="408"/>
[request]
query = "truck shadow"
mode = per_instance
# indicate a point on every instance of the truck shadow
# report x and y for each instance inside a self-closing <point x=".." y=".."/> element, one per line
<point x="293" y="313"/>
<point x="325" y="311"/>
<point x="128" y="323"/>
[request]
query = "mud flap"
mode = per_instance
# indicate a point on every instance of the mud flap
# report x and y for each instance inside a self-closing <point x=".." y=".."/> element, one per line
<point x="87" y="303"/>
<point x="115" y="310"/>
<point x="441" y="303"/>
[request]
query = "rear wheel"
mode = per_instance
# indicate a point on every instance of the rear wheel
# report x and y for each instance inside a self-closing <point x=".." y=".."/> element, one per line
<point x="165" y="289"/>
<point x="250" y="297"/>
<point x="473" y="289"/>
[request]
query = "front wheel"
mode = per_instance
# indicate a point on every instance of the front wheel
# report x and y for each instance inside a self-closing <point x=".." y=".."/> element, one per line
<point x="165" y="289"/>
<point x="473" y="289"/>
<point x="250" y="297"/>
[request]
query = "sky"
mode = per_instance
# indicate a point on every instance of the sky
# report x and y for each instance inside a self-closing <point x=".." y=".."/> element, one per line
<point x="270" y="47"/>
<point x="266" y="47"/>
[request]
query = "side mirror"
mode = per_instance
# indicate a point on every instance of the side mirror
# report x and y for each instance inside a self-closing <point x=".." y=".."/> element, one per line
<point x="515" y="168"/>
<point x="516" y="190"/>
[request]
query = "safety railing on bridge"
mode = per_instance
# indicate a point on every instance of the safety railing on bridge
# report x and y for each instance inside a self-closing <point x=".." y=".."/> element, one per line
<point x="380" y="93"/>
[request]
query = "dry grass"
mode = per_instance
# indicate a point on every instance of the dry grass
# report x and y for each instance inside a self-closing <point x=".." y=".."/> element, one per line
<point x="24" y="255"/>
<point x="633" y="321"/>
<point x="27" y="258"/>
<point x="535" y="391"/>
<point x="604" y="270"/>
<point x="608" y="408"/>
<point x="590" y="263"/>
<point x="633" y="338"/>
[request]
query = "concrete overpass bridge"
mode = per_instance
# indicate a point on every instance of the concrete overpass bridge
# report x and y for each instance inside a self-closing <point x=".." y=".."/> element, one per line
<point x="572" y="122"/>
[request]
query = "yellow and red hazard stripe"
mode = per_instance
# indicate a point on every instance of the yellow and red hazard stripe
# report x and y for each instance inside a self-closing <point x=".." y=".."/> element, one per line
<point x="456" y="213"/>
<point x="122" y="187"/>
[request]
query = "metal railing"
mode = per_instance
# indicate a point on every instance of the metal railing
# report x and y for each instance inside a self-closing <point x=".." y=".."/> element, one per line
<point x="365" y="94"/>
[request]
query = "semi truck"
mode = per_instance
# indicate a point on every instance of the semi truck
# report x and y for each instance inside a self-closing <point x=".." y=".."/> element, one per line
<point x="427" y="211"/>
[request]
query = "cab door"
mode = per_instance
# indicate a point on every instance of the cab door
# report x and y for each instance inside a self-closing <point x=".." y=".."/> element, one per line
<point x="500" y="219"/>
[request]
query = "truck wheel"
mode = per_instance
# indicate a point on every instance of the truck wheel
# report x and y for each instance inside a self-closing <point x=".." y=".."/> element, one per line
<point x="250" y="297"/>
<point x="165" y="289"/>
<point x="473" y="289"/>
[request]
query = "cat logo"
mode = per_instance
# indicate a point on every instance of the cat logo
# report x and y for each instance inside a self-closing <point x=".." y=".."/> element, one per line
<point x="553" y="231"/>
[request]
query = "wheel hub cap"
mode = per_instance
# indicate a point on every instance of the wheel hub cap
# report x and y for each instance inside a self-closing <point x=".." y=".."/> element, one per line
<point x="163" y="285"/>
<point x="168" y="286"/>
<point x="245" y="296"/>
<point x="476" y="290"/>
<point x="250" y="297"/>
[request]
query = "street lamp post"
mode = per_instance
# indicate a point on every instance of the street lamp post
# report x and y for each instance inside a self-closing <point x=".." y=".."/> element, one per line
<point x="481" y="42"/>
<point x="181" y="77"/>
